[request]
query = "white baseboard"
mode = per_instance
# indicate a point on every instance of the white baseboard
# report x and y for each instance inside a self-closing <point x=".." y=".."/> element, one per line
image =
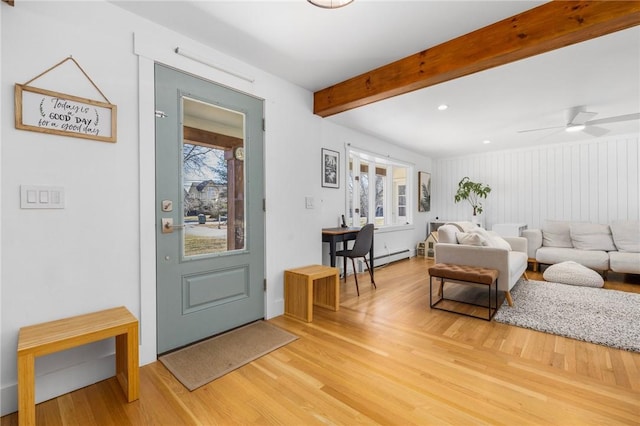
<point x="60" y="382"/>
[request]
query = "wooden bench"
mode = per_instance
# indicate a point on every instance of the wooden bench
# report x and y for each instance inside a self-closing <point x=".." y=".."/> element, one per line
<point x="464" y="274"/>
<point x="311" y="285"/>
<point x="49" y="337"/>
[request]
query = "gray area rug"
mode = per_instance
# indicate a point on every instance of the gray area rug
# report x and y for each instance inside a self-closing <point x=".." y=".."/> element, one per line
<point x="202" y="362"/>
<point x="596" y="315"/>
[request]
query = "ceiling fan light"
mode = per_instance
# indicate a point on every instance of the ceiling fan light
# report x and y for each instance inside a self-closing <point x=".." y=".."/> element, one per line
<point x="575" y="128"/>
<point x="330" y="4"/>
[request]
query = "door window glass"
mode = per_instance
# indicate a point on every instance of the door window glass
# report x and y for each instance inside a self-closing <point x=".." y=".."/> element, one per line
<point x="213" y="179"/>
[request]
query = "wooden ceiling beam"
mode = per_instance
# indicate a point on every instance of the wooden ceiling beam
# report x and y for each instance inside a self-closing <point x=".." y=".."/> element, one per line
<point x="547" y="27"/>
<point x="9" y="2"/>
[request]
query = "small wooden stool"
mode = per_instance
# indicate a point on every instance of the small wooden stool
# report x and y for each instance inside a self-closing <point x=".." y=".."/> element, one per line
<point x="464" y="274"/>
<point x="49" y="337"/>
<point x="311" y="285"/>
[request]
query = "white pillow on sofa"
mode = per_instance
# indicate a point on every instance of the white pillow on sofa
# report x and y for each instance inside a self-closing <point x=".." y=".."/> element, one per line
<point x="493" y="239"/>
<point x="626" y="235"/>
<point x="591" y="236"/>
<point x="555" y="233"/>
<point x="471" y="239"/>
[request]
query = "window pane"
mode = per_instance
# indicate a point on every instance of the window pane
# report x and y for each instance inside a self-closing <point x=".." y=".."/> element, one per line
<point x="349" y="215"/>
<point x="213" y="179"/>
<point x="400" y="195"/>
<point x="364" y="194"/>
<point x="380" y="195"/>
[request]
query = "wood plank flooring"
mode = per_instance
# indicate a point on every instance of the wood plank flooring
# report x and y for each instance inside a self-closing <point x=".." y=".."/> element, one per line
<point x="386" y="358"/>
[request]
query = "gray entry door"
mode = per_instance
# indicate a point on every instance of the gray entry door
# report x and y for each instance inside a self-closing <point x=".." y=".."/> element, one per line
<point x="209" y="214"/>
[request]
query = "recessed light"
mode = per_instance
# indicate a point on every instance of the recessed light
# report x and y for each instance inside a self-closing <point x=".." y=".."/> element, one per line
<point x="486" y="141"/>
<point x="442" y="107"/>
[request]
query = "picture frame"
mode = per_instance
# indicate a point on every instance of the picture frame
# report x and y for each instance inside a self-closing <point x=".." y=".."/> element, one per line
<point x="55" y="113"/>
<point x="330" y="168"/>
<point x="424" y="191"/>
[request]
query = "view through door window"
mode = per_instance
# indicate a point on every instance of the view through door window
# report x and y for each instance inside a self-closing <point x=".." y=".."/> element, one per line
<point x="213" y="179"/>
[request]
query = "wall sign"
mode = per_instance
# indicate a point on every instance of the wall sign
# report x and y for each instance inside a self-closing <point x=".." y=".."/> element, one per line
<point x="46" y="111"/>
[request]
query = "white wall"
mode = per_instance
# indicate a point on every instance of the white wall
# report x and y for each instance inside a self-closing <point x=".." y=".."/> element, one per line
<point x="2" y="112"/>
<point x="98" y="252"/>
<point x="595" y="180"/>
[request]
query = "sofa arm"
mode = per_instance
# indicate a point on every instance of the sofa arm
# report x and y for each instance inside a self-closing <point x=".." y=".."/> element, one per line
<point x="534" y="241"/>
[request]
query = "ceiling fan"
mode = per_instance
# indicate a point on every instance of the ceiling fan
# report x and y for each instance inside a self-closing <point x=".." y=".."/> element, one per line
<point x="581" y="121"/>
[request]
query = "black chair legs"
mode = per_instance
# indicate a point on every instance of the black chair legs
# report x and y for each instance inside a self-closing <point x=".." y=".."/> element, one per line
<point x="355" y="274"/>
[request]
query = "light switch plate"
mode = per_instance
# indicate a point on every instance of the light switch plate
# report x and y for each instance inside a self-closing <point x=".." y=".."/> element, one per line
<point x="41" y="197"/>
<point x="308" y="201"/>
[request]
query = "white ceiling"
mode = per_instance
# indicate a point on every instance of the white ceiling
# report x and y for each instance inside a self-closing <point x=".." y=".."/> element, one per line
<point x="315" y="48"/>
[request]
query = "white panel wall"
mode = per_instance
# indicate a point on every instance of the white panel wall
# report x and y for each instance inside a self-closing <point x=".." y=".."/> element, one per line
<point x="594" y="181"/>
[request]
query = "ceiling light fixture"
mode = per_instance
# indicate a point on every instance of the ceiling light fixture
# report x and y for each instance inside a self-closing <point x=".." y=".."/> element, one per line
<point x="443" y="107"/>
<point x="486" y="141"/>
<point x="330" y="4"/>
<point x="575" y="128"/>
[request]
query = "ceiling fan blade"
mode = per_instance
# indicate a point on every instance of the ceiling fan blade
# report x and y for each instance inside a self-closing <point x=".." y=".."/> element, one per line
<point x="616" y="119"/>
<point x="542" y="128"/>
<point x="595" y="131"/>
<point x="582" y="117"/>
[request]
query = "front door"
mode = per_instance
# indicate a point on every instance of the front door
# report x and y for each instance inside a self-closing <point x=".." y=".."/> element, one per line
<point x="209" y="208"/>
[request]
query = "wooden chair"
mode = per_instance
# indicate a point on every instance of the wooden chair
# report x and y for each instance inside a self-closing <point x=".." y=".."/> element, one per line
<point x="361" y="247"/>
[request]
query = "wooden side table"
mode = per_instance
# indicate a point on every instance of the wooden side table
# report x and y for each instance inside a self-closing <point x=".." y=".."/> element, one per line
<point x="311" y="285"/>
<point x="49" y="337"/>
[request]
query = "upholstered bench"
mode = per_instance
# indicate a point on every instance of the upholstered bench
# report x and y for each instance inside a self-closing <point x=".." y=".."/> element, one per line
<point x="464" y="274"/>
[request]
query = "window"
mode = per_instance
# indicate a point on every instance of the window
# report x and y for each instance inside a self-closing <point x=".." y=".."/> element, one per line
<point x="378" y="190"/>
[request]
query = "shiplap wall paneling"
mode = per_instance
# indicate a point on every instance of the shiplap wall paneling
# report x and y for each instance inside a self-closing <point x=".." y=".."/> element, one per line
<point x="592" y="181"/>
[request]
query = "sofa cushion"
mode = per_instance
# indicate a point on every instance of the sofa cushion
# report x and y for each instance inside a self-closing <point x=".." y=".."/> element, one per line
<point x="555" y="233"/>
<point x="573" y="273"/>
<point x="594" y="259"/>
<point x="591" y="236"/>
<point x="447" y="234"/>
<point x="471" y="239"/>
<point x="624" y="262"/>
<point x="626" y="235"/>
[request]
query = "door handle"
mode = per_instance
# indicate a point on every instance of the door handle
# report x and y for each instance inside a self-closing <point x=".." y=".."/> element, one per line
<point x="168" y="226"/>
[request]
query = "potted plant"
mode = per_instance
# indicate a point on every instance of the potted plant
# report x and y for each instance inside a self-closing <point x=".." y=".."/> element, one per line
<point x="472" y="192"/>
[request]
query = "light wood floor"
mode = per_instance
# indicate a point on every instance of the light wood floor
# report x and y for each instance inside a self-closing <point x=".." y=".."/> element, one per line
<point x="386" y="358"/>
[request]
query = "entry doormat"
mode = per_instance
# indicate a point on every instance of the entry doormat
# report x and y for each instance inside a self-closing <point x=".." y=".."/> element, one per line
<point x="205" y="361"/>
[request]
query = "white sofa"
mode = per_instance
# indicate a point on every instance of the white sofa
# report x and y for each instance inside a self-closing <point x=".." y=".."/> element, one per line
<point x="463" y="243"/>
<point x="614" y="247"/>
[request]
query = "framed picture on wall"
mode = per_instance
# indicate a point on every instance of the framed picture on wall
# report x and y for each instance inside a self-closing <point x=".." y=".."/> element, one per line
<point x="330" y="168"/>
<point x="424" y="191"/>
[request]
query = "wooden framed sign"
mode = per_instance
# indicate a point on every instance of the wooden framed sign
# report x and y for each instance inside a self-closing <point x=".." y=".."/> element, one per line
<point x="45" y="111"/>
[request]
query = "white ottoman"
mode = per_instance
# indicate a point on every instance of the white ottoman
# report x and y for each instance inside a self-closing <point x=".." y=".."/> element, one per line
<point x="573" y="273"/>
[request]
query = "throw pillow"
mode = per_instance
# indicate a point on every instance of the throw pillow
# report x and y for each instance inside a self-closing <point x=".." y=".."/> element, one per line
<point x="471" y="239"/>
<point x="556" y="233"/>
<point x="591" y="236"/>
<point x="499" y="242"/>
<point x="493" y="239"/>
<point x="626" y="235"/>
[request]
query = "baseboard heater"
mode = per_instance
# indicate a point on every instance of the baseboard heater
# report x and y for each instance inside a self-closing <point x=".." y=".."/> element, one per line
<point x="384" y="259"/>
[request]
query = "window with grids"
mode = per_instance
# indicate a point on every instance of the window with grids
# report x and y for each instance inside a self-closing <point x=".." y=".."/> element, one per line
<point x="378" y="190"/>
